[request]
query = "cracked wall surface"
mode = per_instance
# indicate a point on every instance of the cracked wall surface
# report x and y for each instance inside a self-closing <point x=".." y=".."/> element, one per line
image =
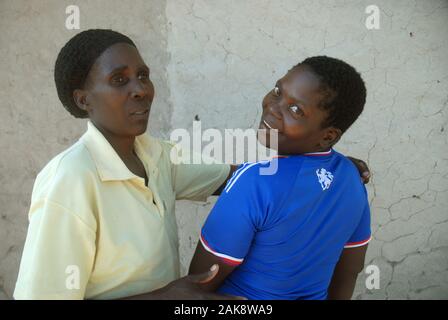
<point x="216" y="60"/>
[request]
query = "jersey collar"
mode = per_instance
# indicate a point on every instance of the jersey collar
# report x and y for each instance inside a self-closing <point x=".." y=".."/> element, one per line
<point x="311" y="154"/>
<point x="319" y="154"/>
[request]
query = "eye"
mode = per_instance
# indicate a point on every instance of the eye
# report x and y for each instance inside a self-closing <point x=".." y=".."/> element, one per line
<point x="276" y="91"/>
<point x="295" y="109"/>
<point x="143" y="76"/>
<point x="119" y="80"/>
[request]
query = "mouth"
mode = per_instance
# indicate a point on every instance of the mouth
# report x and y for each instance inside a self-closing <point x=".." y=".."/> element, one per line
<point x="140" y="113"/>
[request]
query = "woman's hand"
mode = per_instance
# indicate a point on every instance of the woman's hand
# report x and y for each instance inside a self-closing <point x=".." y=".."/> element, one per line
<point x="363" y="169"/>
<point x="187" y="288"/>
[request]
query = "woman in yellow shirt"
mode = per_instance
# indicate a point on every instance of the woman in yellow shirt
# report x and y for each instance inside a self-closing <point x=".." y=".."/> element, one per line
<point x="102" y="223"/>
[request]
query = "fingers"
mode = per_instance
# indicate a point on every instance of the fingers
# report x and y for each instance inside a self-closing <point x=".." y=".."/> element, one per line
<point x="362" y="168"/>
<point x="206" y="276"/>
<point x="365" y="177"/>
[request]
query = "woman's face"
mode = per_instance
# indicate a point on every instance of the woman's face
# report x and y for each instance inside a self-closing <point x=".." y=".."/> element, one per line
<point x="292" y="108"/>
<point x="118" y="92"/>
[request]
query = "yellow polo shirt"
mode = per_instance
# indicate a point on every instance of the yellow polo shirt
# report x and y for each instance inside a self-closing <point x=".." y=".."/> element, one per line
<point x="96" y="231"/>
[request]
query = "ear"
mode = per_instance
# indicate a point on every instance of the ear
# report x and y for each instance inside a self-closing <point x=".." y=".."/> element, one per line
<point x="81" y="99"/>
<point x="330" y="137"/>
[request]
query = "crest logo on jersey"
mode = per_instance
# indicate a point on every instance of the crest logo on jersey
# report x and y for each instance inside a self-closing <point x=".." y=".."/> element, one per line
<point x="325" y="178"/>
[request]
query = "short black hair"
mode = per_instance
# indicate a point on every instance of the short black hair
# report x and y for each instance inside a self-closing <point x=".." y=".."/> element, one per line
<point x="75" y="60"/>
<point x="343" y="88"/>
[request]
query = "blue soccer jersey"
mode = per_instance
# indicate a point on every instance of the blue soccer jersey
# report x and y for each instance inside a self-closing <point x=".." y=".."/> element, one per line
<point x="286" y="231"/>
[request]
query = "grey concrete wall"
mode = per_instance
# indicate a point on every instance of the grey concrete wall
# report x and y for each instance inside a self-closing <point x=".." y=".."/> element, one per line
<point x="217" y="59"/>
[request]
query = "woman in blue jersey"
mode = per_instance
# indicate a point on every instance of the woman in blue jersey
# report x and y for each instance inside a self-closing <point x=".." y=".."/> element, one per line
<point x="302" y="232"/>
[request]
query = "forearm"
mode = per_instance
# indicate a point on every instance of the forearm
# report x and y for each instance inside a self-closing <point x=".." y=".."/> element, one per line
<point x="350" y="264"/>
<point x="186" y="288"/>
<point x="201" y="261"/>
<point x="342" y="286"/>
<point x="159" y="294"/>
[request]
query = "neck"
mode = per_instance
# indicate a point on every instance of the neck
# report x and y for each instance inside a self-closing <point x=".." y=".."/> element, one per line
<point x="318" y="150"/>
<point x="123" y="145"/>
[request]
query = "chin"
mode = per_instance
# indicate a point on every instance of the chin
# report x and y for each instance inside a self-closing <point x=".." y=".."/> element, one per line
<point x="142" y="131"/>
<point x="139" y="130"/>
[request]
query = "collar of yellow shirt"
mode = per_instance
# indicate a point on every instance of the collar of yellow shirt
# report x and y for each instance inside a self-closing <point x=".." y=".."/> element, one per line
<point x="108" y="163"/>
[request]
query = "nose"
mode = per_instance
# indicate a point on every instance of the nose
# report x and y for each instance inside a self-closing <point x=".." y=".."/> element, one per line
<point x="138" y="90"/>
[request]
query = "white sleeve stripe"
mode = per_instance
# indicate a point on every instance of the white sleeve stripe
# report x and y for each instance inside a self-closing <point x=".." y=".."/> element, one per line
<point x="236" y="173"/>
<point x="219" y="254"/>
<point x="358" y="244"/>
<point x="227" y="189"/>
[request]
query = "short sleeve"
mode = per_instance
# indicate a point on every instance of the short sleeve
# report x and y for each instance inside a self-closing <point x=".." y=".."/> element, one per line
<point x="231" y="225"/>
<point x="195" y="181"/>
<point x="58" y="255"/>
<point x="362" y="234"/>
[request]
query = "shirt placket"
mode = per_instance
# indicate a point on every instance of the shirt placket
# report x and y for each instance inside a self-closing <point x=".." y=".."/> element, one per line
<point x="154" y="173"/>
<point x="151" y="191"/>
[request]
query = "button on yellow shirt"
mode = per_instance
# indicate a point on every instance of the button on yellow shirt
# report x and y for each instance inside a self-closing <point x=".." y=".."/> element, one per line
<point x="96" y="231"/>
